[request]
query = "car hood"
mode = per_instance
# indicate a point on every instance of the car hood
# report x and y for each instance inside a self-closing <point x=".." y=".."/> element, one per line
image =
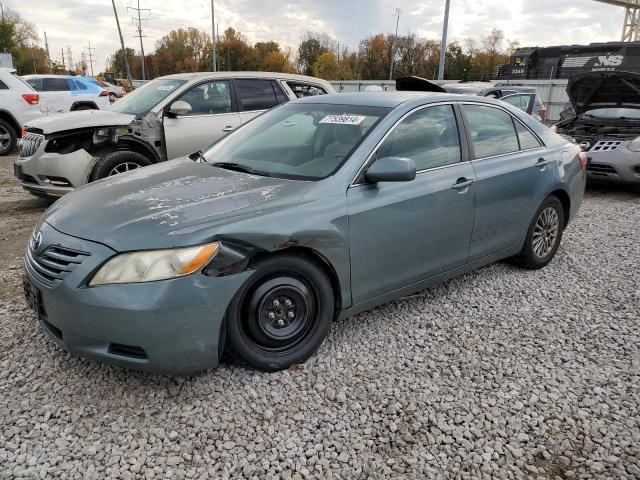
<point x="80" y="119"/>
<point x="175" y="203"/>
<point x="604" y="90"/>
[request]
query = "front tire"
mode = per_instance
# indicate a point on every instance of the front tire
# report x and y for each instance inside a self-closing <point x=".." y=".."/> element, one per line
<point x="8" y="138"/>
<point x="118" y="162"/>
<point x="543" y="236"/>
<point x="281" y="315"/>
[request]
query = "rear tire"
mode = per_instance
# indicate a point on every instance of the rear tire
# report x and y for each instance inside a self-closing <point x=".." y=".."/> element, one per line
<point x="8" y="138"/>
<point x="281" y="315"/>
<point x="120" y="161"/>
<point x="543" y="236"/>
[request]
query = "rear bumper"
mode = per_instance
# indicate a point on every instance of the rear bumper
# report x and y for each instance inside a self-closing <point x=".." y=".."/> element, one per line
<point x="171" y="326"/>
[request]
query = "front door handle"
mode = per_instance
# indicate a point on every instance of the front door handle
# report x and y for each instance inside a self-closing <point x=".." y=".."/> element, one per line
<point x="542" y="163"/>
<point x="228" y="128"/>
<point x="462" y="184"/>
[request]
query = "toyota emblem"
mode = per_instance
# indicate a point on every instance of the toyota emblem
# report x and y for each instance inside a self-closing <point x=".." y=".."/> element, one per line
<point x="585" y="145"/>
<point x="36" y="240"/>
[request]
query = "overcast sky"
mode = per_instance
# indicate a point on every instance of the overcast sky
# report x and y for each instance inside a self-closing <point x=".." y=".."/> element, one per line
<point x="74" y="23"/>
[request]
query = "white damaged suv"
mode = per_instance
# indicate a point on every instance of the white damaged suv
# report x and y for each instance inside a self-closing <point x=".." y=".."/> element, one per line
<point x="19" y="103"/>
<point x="164" y="119"/>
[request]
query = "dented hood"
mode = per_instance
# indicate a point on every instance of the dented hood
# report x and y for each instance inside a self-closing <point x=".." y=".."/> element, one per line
<point x="604" y="90"/>
<point x="171" y="204"/>
<point x="80" y="119"/>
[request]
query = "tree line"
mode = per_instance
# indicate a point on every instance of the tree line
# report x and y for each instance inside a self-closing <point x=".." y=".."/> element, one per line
<point x="319" y="55"/>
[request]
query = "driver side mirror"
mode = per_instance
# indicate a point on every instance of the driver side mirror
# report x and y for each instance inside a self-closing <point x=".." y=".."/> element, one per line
<point x="179" y="107"/>
<point x="391" y="169"/>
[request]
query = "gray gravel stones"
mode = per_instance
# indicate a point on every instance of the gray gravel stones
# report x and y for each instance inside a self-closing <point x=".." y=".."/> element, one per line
<point x="503" y="373"/>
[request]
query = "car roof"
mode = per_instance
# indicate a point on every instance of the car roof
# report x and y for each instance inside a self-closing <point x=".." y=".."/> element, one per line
<point x="205" y="75"/>
<point x="390" y="99"/>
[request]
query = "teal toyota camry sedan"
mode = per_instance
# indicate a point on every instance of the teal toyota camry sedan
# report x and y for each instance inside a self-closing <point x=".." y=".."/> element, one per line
<point x="316" y="210"/>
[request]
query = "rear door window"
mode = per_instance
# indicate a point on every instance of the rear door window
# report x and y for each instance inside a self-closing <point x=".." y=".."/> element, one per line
<point x="280" y="96"/>
<point x="492" y="131"/>
<point x="527" y="139"/>
<point x="35" y="83"/>
<point x="3" y="86"/>
<point x="255" y="94"/>
<point x="55" y="85"/>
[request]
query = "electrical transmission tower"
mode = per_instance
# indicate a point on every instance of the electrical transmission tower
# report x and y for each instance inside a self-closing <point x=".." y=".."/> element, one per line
<point x="139" y="20"/>
<point x="91" y="50"/>
<point x="70" y="59"/>
<point x="631" y="27"/>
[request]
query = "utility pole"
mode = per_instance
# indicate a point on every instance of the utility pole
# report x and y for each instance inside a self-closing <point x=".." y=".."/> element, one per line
<point x="214" y="57"/>
<point x="397" y="13"/>
<point x="90" y="57"/>
<point x="139" y="10"/>
<point x="443" y="44"/>
<point x="46" y="45"/>
<point x="64" y="67"/>
<point x="124" y="51"/>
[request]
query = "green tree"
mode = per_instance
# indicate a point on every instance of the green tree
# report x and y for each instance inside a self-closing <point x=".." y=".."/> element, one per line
<point x="326" y="66"/>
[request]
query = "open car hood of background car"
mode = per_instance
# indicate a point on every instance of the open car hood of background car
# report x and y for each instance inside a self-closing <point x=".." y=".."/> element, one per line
<point x="604" y="90"/>
<point x="417" y="84"/>
<point x="78" y="120"/>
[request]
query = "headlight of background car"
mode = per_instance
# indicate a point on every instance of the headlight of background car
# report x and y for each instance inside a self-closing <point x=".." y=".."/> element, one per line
<point x="634" y="146"/>
<point x="150" y="265"/>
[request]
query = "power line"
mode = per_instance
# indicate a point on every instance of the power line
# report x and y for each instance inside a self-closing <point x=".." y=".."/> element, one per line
<point x="139" y="10"/>
<point x="397" y="13"/>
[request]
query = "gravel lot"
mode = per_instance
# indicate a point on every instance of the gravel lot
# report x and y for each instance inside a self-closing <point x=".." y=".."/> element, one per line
<point x="502" y="372"/>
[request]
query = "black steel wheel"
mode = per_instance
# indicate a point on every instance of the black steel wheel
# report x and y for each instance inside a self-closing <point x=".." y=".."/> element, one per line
<point x="282" y="314"/>
<point x="543" y="236"/>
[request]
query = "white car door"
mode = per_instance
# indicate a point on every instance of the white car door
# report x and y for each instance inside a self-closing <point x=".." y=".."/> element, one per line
<point x="213" y="114"/>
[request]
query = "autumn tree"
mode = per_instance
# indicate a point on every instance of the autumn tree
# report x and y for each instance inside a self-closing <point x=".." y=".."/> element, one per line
<point x="326" y="66"/>
<point x="374" y="57"/>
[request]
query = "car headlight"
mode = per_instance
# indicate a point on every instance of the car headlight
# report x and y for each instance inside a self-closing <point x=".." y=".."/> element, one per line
<point x="151" y="265"/>
<point x="634" y="146"/>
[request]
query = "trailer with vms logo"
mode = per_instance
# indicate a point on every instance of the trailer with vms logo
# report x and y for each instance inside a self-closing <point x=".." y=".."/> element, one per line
<point x="567" y="61"/>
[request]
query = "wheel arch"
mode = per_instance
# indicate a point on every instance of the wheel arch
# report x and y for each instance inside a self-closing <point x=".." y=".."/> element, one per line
<point x="127" y="143"/>
<point x="83" y="103"/>
<point x="10" y="119"/>
<point x="565" y="200"/>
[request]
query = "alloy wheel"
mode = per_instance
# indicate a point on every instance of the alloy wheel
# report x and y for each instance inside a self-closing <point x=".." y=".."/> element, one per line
<point x="123" y="167"/>
<point x="5" y="137"/>
<point x="545" y="232"/>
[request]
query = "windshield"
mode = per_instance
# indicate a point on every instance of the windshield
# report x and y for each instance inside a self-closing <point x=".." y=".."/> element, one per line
<point x="303" y="141"/>
<point x="143" y="99"/>
<point x="614" y="113"/>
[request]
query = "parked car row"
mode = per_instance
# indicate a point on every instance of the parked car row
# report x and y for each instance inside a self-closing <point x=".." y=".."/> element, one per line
<point x="271" y="228"/>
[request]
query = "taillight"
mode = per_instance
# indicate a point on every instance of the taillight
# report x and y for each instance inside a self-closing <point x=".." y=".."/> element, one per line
<point x="582" y="158"/>
<point x="24" y="133"/>
<point x="31" y="98"/>
<point x="104" y="93"/>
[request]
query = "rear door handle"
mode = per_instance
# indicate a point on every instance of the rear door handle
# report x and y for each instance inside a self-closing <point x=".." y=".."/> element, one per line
<point x="228" y="128"/>
<point x="462" y="183"/>
<point x="542" y="163"/>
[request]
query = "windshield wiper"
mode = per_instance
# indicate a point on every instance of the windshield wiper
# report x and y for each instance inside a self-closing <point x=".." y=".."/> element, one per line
<point x="236" y="167"/>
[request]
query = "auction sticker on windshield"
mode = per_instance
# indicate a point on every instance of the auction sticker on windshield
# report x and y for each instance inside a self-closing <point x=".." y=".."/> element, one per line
<point x="343" y="119"/>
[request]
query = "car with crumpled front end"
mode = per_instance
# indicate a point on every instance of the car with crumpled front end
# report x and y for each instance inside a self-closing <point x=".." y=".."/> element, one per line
<point x="605" y="122"/>
<point x="318" y="209"/>
<point x="164" y="119"/>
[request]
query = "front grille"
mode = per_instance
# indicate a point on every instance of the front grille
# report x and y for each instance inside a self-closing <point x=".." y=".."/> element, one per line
<point x="54" y="263"/>
<point x="606" y="146"/>
<point x="30" y="144"/>
<point x="600" y="169"/>
<point x="34" y="299"/>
